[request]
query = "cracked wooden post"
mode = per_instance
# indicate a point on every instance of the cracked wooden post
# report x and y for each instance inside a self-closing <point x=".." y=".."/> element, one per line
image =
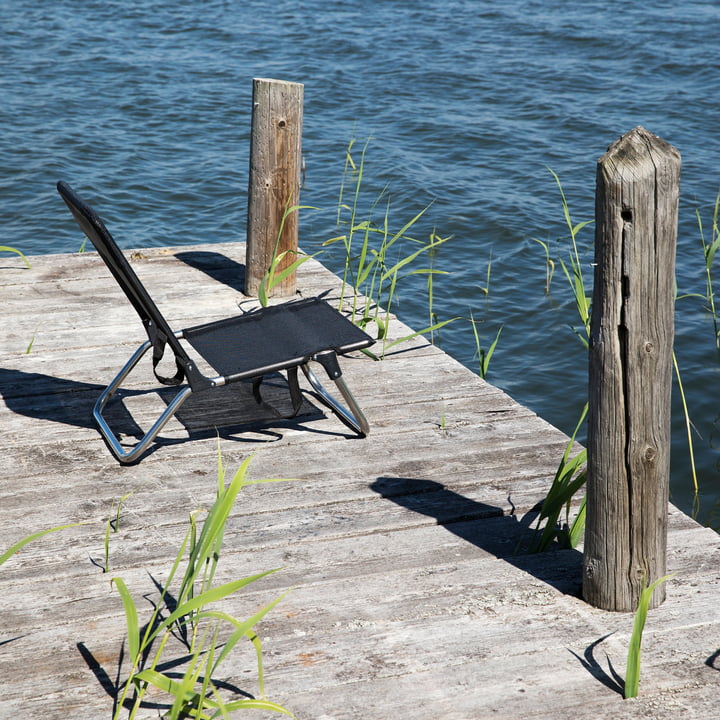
<point x="631" y="344"/>
<point x="274" y="182"/>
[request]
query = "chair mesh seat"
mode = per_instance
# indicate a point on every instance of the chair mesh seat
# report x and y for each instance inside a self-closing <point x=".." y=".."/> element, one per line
<point x="274" y="338"/>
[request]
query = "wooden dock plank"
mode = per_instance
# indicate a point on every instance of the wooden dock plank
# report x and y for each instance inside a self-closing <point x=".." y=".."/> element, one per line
<point x="407" y="600"/>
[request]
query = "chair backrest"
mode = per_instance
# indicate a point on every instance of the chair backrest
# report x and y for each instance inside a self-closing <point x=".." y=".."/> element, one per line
<point x="158" y="330"/>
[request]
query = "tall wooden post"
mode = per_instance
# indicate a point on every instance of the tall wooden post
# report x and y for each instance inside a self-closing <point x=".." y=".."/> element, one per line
<point x="638" y="181"/>
<point x="274" y="183"/>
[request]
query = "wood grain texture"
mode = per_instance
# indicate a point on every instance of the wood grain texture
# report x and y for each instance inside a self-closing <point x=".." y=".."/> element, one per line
<point x="274" y="182"/>
<point x="408" y="599"/>
<point x="631" y="370"/>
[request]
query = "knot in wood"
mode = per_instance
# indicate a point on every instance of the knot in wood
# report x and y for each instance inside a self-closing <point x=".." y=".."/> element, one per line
<point x="590" y="567"/>
<point x="650" y="454"/>
<point x="649" y="347"/>
<point x="282" y="123"/>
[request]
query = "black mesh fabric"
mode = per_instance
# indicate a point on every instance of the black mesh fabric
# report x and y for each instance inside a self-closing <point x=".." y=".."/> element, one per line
<point x="275" y="338"/>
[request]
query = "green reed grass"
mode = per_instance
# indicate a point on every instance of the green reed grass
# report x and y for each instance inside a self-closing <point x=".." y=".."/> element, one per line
<point x="632" y="670"/>
<point x="377" y="260"/>
<point x="18" y="546"/>
<point x="574" y="270"/>
<point x="549" y="265"/>
<point x="273" y="275"/>
<point x="29" y="347"/>
<point x="6" y="248"/>
<point x="569" y="478"/>
<point x="571" y="474"/>
<point x="112" y="524"/>
<point x="710" y="248"/>
<point x="485" y="289"/>
<point x="376" y="257"/>
<point x="432" y="315"/>
<point x="688" y="427"/>
<point x="482" y="354"/>
<point x="185" y="613"/>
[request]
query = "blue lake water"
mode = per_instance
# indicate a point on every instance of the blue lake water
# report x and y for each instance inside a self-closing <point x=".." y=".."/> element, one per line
<point x="145" y="108"/>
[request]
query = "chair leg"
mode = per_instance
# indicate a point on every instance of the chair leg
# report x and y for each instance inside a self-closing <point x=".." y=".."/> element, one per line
<point x="353" y="417"/>
<point x="129" y="455"/>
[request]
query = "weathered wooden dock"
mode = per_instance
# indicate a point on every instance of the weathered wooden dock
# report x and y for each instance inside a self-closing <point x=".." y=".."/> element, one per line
<point x="408" y="599"/>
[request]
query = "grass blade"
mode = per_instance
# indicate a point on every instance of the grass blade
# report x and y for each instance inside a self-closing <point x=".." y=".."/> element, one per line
<point x="578" y="526"/>
<point x="22" y="543"/>
<point x="213" y="529"/>
<point x="182" y="692"/>
<point x="432" y="328"/>
<point x="5" y="248"/>
<point x="253" y="704"/>
<point x="632" y="671"/>
<point x="567" y="481"/>
<point x="205" y="598"/>
<point x="688" y="424"/>
<point x="409" y="258"/>
<point x="243" y="629"/>
<point x="131" y="617"/>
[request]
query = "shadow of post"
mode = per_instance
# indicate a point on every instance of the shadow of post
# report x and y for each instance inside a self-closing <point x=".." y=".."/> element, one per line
<point x="217" y="266"/>
<point x="487" y="527"/>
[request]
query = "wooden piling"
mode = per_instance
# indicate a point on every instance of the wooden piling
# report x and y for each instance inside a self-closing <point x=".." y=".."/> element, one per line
<point x="631" y="347"/>
<point x="274" y="182"/>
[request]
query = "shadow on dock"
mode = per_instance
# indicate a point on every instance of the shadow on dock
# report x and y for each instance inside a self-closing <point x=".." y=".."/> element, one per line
<point x="230" y="411"/>
<point x="225" y="270"/>
<point x="114" y="688"/>
<point x="611" y="679"/>
<point x="217" y="266"/>
<point x="486" y="527"/>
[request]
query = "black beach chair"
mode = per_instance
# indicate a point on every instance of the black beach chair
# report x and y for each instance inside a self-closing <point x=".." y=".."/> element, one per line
<point x="248" y="346"/>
